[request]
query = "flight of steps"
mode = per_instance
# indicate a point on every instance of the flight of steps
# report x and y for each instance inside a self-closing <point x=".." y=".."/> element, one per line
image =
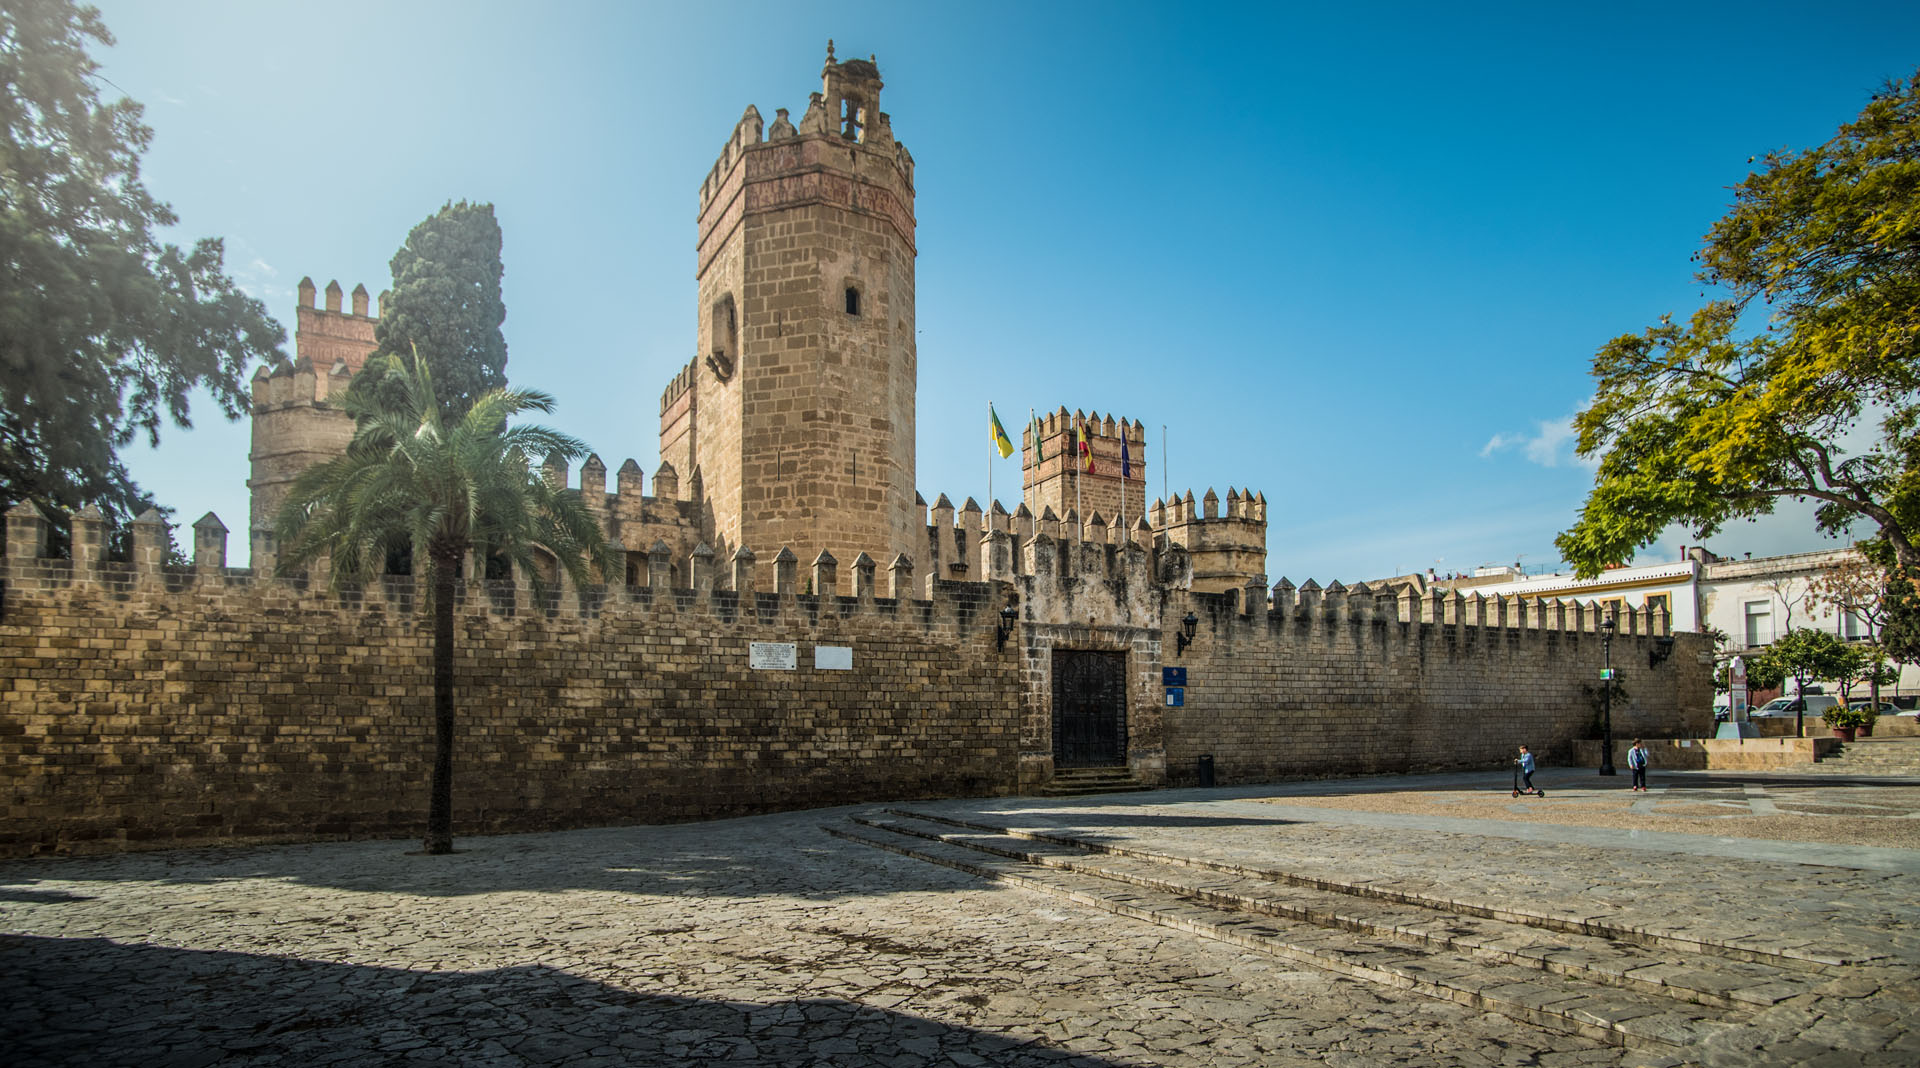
<point x="1872" y="756"/>
<point x="1644" y="989"/>
<point x="1080" y="782"/>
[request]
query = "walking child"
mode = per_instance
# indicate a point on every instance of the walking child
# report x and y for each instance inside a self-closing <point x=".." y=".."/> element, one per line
<point x="1637" y="761"/>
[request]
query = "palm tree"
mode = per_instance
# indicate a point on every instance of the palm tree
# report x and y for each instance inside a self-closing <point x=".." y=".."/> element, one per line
<point x="415" y="476"/>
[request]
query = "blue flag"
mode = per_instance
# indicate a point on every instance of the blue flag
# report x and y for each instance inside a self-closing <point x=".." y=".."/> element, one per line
<point x="1126" y="460"/>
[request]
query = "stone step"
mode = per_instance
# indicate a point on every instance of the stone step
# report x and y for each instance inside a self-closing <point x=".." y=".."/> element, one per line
<point x="1080" y="782"/>
<point x="1567" y="1003"/>
<point x="1616" y="956"/>
<point x="1788" y="952"/>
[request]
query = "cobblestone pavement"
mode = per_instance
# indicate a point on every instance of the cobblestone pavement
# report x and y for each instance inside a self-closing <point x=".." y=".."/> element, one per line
<point x="774" y="940"/>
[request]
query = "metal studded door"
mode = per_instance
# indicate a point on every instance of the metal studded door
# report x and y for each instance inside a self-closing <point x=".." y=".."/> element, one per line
<point x="1089" y="708"/>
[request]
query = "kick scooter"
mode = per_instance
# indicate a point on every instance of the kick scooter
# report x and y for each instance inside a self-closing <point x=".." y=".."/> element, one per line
<point x="1535" y="791"/>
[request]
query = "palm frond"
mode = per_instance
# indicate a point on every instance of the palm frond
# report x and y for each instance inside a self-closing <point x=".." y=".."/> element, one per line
<point x="407" y="477"/>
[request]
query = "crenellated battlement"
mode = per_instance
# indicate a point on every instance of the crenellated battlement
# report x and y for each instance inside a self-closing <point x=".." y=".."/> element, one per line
<point x="328" y="335"/>
<point x="1314" y="604"/>
<point x="960" y="542"/>
<point x="1229" y="546"/>
<point x="845" y="112"/>
<point x="1054" y="475"/>
<point x="677" y="387"/>
<point x="746" y="587"/>
<point x="1058" y="578"/>
<point x="746" y="133"/>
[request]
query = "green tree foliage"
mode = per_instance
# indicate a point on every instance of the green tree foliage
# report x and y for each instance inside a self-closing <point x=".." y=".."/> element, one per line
<point x="104" y="330"/>
<point x="1805" y="656"/>
<point x="445" y="305"/>
<point x="1764" y="672"/>
<point x="1714" y="419"/>
<point x="1900" y="637"/>
<point x="410" y="476"/>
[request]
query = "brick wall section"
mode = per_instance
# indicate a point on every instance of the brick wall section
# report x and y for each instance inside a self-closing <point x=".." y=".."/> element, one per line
<point x="198" y="706"/>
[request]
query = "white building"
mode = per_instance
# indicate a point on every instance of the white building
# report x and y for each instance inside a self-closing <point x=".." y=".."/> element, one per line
<point x="1751" y="601"/>
<point x="1669" y="586"/>
<point x="1755" y="601"/>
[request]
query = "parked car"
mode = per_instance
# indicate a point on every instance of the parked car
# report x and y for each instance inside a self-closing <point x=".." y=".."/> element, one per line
<point x="1811" y="705"/>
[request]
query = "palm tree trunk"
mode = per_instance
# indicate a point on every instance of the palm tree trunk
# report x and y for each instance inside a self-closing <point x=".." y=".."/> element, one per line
<point x="440" y="803"/>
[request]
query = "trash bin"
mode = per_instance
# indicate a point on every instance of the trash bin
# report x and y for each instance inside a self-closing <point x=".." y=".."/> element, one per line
<point x="1204" y="767"/>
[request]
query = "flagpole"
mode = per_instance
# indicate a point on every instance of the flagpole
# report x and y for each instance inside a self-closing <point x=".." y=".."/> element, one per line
<point x="992" y="447"/>
<point x="1033" y="427"/>
<point x="1163" y="461"/>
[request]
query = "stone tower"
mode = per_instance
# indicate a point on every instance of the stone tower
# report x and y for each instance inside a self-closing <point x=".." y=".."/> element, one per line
<point x="797" y="413"/>
<point x="294" y="425"/>
<point x="1055" y="477"/>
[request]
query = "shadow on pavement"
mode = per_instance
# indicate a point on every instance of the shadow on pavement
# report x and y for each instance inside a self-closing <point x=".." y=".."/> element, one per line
<point x="781" y="855"/>
<point x="94" y="1003"/>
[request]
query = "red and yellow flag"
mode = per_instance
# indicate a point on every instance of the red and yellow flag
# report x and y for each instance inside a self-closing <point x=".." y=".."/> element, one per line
<point x="1086" y="450"/>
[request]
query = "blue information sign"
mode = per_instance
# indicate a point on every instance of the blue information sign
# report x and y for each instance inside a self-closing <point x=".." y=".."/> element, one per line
<point x="1176" y="696"/>
<point x="1171" y="676"/>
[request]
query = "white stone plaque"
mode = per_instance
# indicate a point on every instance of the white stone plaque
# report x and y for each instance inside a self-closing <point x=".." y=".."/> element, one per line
<point x="833" y="658"/>
<point x="772" y="656"/>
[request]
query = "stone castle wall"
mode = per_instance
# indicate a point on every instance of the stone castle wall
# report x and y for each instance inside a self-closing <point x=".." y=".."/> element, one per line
<point x="152" y="705"/>
<point x="1342" y="680"/>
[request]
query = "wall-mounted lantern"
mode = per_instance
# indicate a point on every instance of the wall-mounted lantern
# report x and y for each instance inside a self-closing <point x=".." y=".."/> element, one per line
<point x="1662" y="648"/>
<point x="1188" y="627"/>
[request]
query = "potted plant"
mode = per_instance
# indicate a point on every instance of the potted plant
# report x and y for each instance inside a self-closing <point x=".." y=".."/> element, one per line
<point x="1845" y="721"/>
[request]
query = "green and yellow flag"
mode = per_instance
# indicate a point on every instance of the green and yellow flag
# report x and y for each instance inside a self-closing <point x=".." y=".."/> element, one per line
<point x="998" y="433"/>
<point x="1039" y="453"/>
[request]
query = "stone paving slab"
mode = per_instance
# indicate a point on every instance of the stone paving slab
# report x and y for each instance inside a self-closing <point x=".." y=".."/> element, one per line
<point x="767" y="942"/>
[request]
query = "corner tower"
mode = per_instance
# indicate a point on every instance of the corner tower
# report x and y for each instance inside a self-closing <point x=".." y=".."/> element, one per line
<point x="295" y="423"/>
<point x="797" y="411"/>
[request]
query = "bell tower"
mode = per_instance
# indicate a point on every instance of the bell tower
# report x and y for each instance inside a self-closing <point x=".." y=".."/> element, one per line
<point x="797" y="410"/>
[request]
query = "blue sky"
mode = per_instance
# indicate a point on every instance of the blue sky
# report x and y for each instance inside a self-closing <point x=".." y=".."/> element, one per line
<point x="1356" y="257"/>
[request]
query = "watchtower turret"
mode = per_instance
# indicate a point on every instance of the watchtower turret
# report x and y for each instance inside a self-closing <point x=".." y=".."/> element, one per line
<point x="1054" y="473"/>
<point x="798" y="406"/>
<point x="295" y="425"/>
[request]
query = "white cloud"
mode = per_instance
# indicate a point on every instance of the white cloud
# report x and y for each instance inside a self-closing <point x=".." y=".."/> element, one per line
<point x="1550" y="444"/>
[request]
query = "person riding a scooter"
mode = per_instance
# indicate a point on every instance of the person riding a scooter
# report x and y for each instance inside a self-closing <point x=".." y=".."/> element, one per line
<point x="1525" y="763"/>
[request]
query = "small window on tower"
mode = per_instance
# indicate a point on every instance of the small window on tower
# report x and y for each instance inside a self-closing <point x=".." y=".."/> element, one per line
<point x="853" y="301"/>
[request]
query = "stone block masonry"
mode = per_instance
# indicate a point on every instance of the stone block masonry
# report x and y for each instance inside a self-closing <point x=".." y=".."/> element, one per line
<point x="147" y="705"/>
<point x="1354" y="681"/>
<point x="182" y="706"/>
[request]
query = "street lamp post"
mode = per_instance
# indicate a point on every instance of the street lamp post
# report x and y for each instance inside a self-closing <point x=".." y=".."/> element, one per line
<point x="1606" y="697"/>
